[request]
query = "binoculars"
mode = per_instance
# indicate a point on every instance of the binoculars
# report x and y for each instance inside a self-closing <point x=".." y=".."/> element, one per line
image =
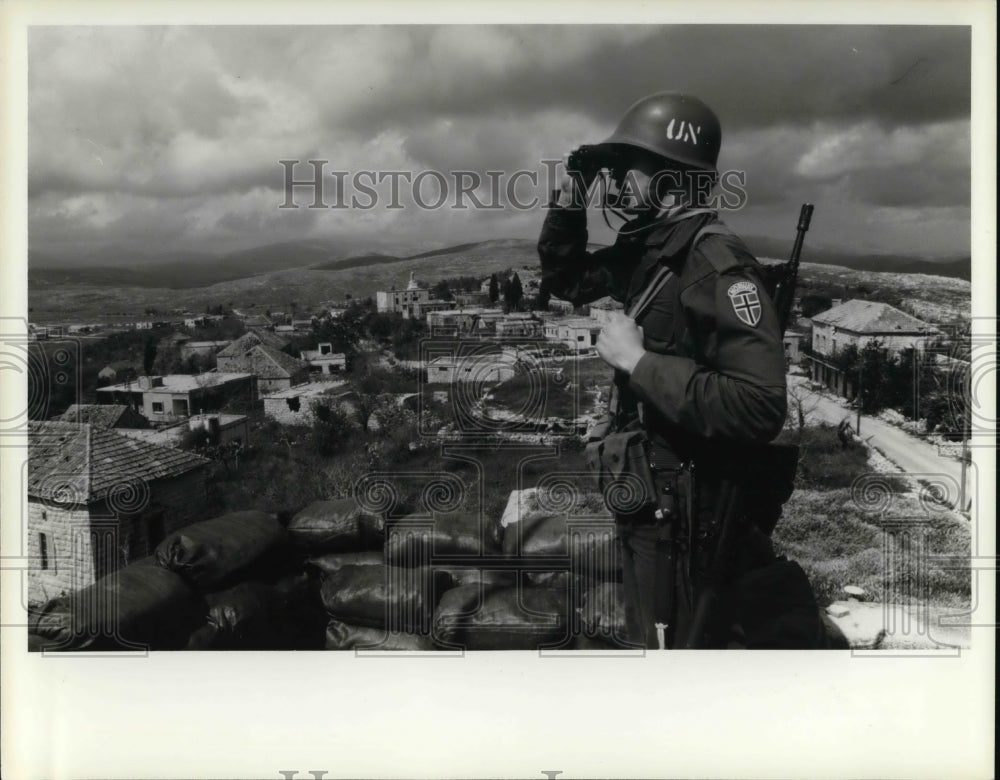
<point x="589" y="159"/>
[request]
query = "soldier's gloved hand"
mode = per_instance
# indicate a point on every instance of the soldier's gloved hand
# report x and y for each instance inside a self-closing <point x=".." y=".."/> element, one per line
<point x="620" y="344"/>
<point x="570" y="191"/>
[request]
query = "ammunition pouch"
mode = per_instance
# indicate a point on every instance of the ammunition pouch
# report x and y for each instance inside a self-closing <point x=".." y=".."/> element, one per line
<point x="624" y="476"/>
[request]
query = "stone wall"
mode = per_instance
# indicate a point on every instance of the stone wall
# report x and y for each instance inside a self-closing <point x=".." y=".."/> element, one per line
<point x="279" y="409"/>
<point x="68" y="560"/>
<point x="83" y="543"/>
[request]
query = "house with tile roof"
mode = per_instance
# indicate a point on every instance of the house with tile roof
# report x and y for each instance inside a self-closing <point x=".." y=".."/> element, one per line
<point x="98" y="499"/>
<point x="274" y="369"/>
<point x="858" y="323"/>
<point x="104" y="416"/>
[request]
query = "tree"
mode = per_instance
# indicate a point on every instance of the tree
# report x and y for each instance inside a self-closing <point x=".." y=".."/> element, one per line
<point x="331" y="429"/>
<point x="442" y="291"/>
<point x="148" y="356"/>
<point x="494" y="289"/>
<point x="514" y="292"/>
<point x="801" y="405"/>
<point x="872" y="371"/>
<point x="541" y="302"/>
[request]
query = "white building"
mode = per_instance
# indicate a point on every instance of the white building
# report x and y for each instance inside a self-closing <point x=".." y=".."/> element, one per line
<point x="518" y="324"/>
<point x="405" y="302"/>
<point x="449" y="369"/>
<point x="324" y="360"/>
<point x="578" y="334"/>
<point x="174" y="396"/>
<point x="858" y="323"/>
<point x="560" y="306"/>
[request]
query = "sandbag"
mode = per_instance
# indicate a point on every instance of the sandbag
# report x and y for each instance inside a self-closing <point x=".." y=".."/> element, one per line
<point x="205" y="637"/>
<point x="472" y="618"/>
<point x="242" y="614"/>
<point x="336" y="526"/>
<point x="329" y="563"/>
<point x="484" y="577"/>
<point x="343" y="636"/>
<point x="561" y="581"/>
<point x="209" y="553"/>
<point x="146" y="604"/>
<point x="384" y="596"/>
<point x="595" y="552"/>
<point x="298" y="616"/>
<point x="452" y="533"/>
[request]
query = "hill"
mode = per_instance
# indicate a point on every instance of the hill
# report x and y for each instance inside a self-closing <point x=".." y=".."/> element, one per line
<point x="958" y="266"/>
<point x="59" y="294"/>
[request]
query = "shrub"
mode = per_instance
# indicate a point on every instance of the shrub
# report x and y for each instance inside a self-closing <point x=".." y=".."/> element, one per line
<point x="825" y="463"/>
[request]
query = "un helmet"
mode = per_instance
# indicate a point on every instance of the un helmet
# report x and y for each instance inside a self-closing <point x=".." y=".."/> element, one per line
<point x="673" y="125"/>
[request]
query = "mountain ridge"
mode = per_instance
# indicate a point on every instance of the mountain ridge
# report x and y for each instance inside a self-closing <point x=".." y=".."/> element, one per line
<point x="193" y="270"/>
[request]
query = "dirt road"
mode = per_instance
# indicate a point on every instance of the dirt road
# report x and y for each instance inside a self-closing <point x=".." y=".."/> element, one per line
<point x="912" y="454"/>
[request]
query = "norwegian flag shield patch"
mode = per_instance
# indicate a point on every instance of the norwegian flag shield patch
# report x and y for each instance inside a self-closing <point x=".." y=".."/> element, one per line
<point x="746" y="302"/>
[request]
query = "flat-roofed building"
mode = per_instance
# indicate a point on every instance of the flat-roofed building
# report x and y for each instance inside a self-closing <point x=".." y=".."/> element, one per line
<point x="174" y="396"/>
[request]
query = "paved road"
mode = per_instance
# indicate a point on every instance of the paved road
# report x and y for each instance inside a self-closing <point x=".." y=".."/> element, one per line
<point x="911" y="453"/>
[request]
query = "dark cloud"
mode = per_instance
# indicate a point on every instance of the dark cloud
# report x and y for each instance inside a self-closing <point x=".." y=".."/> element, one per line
<point x="159" y="134"/>
<point x="761" y="75"/>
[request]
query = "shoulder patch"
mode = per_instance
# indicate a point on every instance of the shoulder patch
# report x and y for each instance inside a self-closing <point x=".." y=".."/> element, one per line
<point x="745" y="299"/>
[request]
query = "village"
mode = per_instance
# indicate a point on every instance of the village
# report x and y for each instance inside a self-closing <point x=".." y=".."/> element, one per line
<point x="359" y="386"/>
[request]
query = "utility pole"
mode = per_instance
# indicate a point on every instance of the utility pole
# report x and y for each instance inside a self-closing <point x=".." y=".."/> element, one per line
<point x="965" y="457"/>
<point x="858" y="397"/>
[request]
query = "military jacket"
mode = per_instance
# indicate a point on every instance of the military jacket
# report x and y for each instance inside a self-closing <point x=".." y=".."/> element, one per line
<point x="714" y="368"/>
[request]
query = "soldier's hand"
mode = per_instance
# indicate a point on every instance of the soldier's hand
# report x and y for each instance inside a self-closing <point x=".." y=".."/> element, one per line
<point x="567" y="187"/>
<point x="620" y="344"/>
<point x="571" y="193"/>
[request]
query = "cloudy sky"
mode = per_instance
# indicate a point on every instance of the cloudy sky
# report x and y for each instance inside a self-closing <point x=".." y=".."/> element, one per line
<point x="168" y="138"/>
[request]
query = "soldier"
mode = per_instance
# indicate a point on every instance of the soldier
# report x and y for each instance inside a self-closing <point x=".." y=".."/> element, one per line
<point x="700" y="370"/>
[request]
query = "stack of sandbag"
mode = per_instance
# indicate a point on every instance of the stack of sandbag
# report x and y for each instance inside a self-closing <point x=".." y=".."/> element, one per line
<point x="279" y="614"/>
<point x="473" y="617"/>
<point x="590" y="546"/>
<point x="237" y="618"/>
<point x="218" y="553"/>
<point x="336" y="526"/>
<point x="394" y="604"/>
<point x="141" y="606"/>
<point x="413" y="541"/>
<point x="330" y="563"/>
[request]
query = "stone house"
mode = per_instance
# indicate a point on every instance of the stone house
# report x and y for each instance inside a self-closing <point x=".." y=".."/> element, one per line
<point x="98" y="499"/>
<point x="273" y="369"/>
<point x="858" y="323"/>
<point x="296" y="405"/>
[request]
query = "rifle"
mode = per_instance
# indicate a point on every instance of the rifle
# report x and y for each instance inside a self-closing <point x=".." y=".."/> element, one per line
<point x="729" y="506"/>
<point x="784" y="293"/>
